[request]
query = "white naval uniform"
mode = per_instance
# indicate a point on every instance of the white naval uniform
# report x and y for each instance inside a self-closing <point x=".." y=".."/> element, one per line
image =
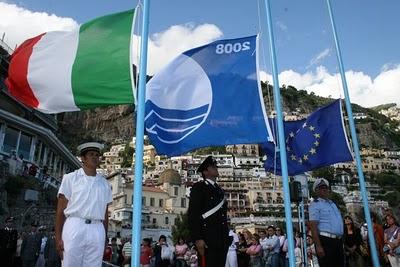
<point x="87" y="197"/>
<point x="231" y="257"/>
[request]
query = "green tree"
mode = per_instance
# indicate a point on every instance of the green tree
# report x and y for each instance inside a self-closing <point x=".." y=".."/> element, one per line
<point x="388" y="179"/>
<point x="127" y="156"/>
<point x="181" y="228"/>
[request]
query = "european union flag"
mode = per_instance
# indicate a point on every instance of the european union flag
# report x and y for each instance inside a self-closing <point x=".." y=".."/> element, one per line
<point x="207" y="96"/>
<point x="318" y="141"/>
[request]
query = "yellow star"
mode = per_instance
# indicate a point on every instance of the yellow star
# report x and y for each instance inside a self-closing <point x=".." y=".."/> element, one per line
<point x="312" y="128"/>
<point x="316" y="143"/>
<point x="313" y="151"/>
<point x="305" y="125"/>
<point x="305" y="157"/>
<point x="300" y="161"/>
<point x="293" y="157"/>
<point x="291" y="134"/>
<point x="317" y="135"/>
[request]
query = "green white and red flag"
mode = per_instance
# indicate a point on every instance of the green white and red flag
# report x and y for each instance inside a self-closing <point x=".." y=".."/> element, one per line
<point x="69" y="71"/>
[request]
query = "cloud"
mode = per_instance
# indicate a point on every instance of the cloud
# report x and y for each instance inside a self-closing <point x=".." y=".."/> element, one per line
<point x="163" y="46"/>
<point x="318" y="58"/>
<point x="363" y="89"/>
<point x="19" y="24"/>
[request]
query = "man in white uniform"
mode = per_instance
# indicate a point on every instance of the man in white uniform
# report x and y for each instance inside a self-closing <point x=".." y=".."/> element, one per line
<point x="82" y="212"/>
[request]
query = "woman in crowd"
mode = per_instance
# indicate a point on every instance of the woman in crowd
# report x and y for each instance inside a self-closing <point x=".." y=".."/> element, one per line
<point x="180" y="251"/>
<point x="255" y="251"/>
<point x="243" y="258"/>
<point x="352" y="240"/>
<point x="163" y="252"/>
<point x="311" y="253"/>
<point x="392" y="240"/>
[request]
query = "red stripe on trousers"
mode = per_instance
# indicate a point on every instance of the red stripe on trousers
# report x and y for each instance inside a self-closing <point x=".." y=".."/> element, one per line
<point x="17" y="81"/>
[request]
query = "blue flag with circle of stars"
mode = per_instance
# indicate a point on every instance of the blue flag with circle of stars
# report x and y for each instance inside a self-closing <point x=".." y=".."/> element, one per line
<point x="318" y="141"/>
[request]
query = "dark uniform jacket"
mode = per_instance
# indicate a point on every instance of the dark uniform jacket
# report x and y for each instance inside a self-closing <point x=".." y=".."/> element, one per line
<point x="30" y="247"/>
<point x="8" y="241"/>
<point x="214" y="229"/>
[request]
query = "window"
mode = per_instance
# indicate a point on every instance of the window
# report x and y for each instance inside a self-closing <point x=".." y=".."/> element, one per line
<point x="152" y="202"/>
<point x="154" y="220"/>
<point x="143" y="201"/>
<point x="10" y="140"/>
<point x="161" y="202"/>
<point x="166" y="220"/>
<point x="176" y="190"/>
<point x="147" y="218"/>
<point x="183" y="202"/>
<point x="24" y="147"/>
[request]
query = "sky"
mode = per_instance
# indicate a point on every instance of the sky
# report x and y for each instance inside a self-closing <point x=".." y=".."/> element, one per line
<point x="368" y="31"/>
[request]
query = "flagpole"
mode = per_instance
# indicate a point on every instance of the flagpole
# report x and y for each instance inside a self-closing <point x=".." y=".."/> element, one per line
<point x="281" y="138"/>
<point x="355" y="142"/>
<point x="137" y="188"/>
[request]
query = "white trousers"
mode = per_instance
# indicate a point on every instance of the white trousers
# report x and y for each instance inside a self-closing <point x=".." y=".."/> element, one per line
<point x="231" y="259"/>
<point x="83" y="243"/>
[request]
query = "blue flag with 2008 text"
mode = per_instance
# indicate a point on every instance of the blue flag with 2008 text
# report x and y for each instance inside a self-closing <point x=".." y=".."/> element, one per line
<point x="317" y="141"/>
<point x="207" y="96"/>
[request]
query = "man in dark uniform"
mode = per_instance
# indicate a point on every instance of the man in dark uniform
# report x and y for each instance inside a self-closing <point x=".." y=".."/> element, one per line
<point x="8" y="242"/>
<point x="208" y="217"/>
<point x="30" y="247"/>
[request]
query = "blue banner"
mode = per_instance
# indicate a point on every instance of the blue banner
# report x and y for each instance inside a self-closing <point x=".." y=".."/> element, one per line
<point x="318" y="141"/>
<point x="207" y="96"/>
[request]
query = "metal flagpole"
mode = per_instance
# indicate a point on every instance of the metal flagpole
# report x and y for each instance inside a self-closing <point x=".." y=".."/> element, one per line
<point x="355" y="143"/>
<point x="137" y="188"/>
<point x="281" y="138"/>
<point x="304" y="230"/>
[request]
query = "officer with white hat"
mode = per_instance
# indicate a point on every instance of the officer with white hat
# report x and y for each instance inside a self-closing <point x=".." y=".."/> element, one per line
<point x="326" y="225"/>
<point x="82" y="211"/>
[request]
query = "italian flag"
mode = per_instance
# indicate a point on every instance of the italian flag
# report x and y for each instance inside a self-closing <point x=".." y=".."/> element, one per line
<point x="69" y="71"/>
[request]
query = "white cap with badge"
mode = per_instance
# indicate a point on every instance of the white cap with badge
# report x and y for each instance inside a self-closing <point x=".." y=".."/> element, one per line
<point x="89" y="146"/>
<point x="320" y="181"/>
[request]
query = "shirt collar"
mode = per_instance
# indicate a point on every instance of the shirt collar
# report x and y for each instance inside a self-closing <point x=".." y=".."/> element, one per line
<point x="211" y="181"/>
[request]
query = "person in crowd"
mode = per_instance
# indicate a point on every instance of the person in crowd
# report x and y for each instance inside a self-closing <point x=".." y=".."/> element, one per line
<point x="180" y="250"/>
<point x="392" y="240"/>
<point x="231" y="257"/>
<point x="162" y="252"/>
<point x="379" y="239"/>
<point x="247" y="236"/>
<point x="243" y="258"/>
<point x="272" y="246"/>
<point x="30" y="247"/>
<point x="207" y="215"/>
<point x="297" y="252"/>
<point x="146" y="253"/>
<point x="352" y="241"/>
<point x="311" y="253"/>
<point x="263" y="243"/>
<point x="326" y="225"/>
<point x="17" y="256"/>
<point x="114" y="251"/>
<point x="41" y="260"/>
<point x="82" y="211"/>
<point x="191" y="257"/>
<point x="8" y="242"/>
<point x="281" y="235"/>
<point x="255" y="252"/>
<point x="126" y="252"/>
<point x="50" y="251"/>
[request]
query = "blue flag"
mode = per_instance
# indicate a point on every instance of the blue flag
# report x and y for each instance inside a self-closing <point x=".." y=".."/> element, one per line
<point x="207" y="96"/>
<point x="318" y="141"/>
